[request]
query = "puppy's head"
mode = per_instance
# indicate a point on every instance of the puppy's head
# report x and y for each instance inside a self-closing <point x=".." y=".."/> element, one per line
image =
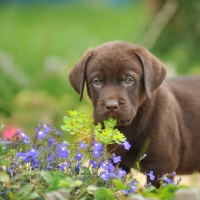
<point x="119" y="77"/>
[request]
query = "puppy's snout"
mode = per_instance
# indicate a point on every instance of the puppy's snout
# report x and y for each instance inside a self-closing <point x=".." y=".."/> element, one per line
<point x="112" y="105"/>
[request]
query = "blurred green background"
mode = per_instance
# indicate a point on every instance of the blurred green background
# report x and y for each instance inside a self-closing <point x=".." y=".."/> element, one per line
<point x="40" y="41"/>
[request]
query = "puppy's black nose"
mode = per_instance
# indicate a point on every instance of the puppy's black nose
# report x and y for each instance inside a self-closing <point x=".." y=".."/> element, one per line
<point x="112" y="105"/>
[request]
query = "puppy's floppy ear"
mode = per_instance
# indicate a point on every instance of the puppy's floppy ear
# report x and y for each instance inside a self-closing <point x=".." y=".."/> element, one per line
<point x="77" y="75"/>
<point x="154" y="70"/>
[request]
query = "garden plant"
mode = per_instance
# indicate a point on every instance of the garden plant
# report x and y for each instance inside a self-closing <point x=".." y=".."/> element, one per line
<point x="47" y="165"/>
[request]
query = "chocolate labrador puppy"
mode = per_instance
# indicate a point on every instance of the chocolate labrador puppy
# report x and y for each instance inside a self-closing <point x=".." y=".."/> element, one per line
<point x="127" y="82"/>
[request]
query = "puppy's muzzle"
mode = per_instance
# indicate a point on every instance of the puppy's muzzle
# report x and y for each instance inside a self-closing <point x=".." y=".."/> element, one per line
<point x="111" y="106"/>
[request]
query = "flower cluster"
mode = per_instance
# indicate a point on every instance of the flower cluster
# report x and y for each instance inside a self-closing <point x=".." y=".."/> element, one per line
<point x="46" y="162"/>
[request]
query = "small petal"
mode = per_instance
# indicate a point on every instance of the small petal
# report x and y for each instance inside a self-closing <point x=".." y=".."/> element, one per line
<point x="79" y="156"/>
<point x="94" y="164"/>
<point x="126" y="145"/>
<point x="151" y="176"/>
<point x="98" y="146"/>
<point x="62" y="150"/>
<point x="83" y="145"/>
<point x="105" y="176"/>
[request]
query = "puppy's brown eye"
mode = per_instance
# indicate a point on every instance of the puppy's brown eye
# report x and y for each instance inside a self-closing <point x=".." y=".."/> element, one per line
<point x="96" y="82"/>
<point x="129" y="80"/>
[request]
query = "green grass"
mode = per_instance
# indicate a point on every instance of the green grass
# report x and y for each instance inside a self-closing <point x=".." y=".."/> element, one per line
<point x="30" y="35"/>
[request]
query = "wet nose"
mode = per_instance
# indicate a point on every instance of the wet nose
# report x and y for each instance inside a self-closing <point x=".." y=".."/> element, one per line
<point x="112" y="105"/>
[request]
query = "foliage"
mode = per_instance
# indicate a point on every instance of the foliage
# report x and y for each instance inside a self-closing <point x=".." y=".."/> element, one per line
<point x="44" y="165"/>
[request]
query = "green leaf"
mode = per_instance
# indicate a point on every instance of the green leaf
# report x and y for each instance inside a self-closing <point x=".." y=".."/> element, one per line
<point x="120" y="186"/>
<point x="34" y="195"/>
<point x="149" y="189"/>
<point x="4" y="177"/>
<point x="103" y="194"/>
<point x="48" y="177"/>
<point x="91" y="189"/>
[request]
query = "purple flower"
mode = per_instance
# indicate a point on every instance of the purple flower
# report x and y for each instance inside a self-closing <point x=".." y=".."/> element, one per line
<point x="56" y="131"/>
<point x="94" y="163"/>
<point x="30" y="155"/>
<point x="173" y="174"/>
<point x="21" y="156"/>
<point x="33" y="153"/>
<point x="35" y="163"/>
<point x="147" y="185"/>
<point x="62" y="150"/>
<point x="151" y="176"/>
<point x="126" y="145"/>
<point x="96" y="154"/>
<point x="10" y="171"/>
<point x="104" y="165"/>
<point x="42" y="131"/>
<point x="77" y="167"/>
<point x="111" y="167"/>
<point x="51" y="142"/>
<point x="79" y="156"/>
<point x="98" y="146"/>
<point x="133" y="186"/>
<point x="63" y="166"/>
<point x="25" y="138"/>
<point x="105" y="176"/>
<point x="168" y="180"/>
<point x="121" y="173"/>
<point x="116" y="159"/>
<point x="83" y="145"/>
<point x="50" y="158"/>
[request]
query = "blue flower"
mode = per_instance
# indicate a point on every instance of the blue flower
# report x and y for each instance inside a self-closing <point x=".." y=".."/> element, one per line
<point x="126" y="145"/>
<point x="35" y="163"/>
<point x="151" y="176"/>
<point x="105" y="176"/>
<point x="116" y="159"/>
<point x="147" y="185"/>
<point x="168" y="180"/>
<point x="33" y="153"/>
<point x="83" y="145"/>
<point x="21" y="156"/>
<point x="104" y="165"/>
<point x="173" y="174"/>
<point x="94" y="164"/>
<point x="62" y="150"/>
<point x="25" y="138"/>
<point x="97" y="154"/>
<point x="10" y="171"/>
<point x="56" y="131"/>
<point x="50" y="157"/>
<point x="98" y="146"/>
<point x="133" y="185"/>
<point x="30" y="155"/>
<point x="42" y="131"/>
<point x="77" y="167"/>
<point x="120" y="173"/>
<point x="111" y="167"/>
<point x="63" y="166"/>
<point x="51" y="142"/>
<point x="79" y="156"/>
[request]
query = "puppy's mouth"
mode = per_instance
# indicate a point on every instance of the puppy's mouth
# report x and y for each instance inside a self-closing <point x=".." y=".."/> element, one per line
<point x="124" y="122"/>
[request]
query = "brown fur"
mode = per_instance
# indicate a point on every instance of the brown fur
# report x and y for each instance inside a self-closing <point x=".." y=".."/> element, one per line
<point x="165" y="111"/>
